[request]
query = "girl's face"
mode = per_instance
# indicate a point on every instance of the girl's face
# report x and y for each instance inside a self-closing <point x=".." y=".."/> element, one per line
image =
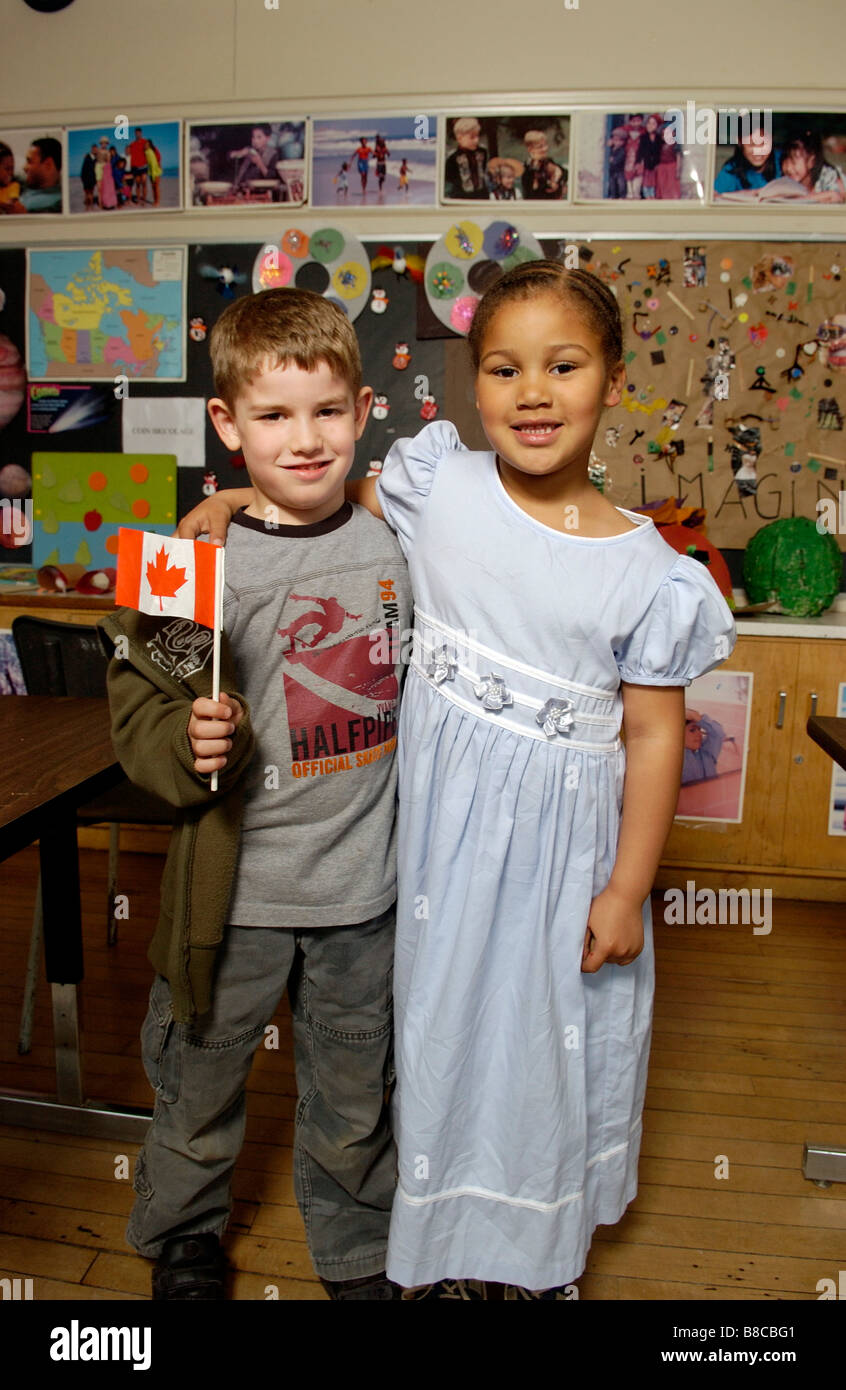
<point x="7" y="170"/>
<point x="542" y="385"/>
<point x="797" y="163"/>
<point x="757" y="148"/>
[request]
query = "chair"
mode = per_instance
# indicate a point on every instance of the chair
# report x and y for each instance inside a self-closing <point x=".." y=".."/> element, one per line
<point x="68" y="659"/>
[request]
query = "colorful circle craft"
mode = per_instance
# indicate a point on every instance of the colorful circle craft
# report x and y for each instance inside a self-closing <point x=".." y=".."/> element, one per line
<point x="330" y="261"/>
<point x="466" y="261"/>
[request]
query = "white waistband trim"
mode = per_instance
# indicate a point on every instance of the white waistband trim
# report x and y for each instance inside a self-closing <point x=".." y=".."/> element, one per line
<point x="501" y="718"/>
<point x="463" y="640"/>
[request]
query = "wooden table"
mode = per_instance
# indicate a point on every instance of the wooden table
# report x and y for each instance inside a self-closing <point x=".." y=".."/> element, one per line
<point x="57" y="754"/>
<point x="830" y="734"/>
<point x="822" y="1163"/>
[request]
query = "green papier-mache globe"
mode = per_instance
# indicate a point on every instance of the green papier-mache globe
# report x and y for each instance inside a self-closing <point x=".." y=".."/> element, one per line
<point x="792" y="563"/>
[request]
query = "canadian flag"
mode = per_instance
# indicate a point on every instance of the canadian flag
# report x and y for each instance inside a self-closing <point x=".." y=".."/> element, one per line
<point x="167" y="577"/>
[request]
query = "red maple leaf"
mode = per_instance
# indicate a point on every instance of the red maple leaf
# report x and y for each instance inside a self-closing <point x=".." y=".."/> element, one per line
<point x="164" y="579"/>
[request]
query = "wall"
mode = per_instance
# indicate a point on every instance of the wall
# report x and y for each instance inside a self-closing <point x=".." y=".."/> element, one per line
<point x="180" y="58"/>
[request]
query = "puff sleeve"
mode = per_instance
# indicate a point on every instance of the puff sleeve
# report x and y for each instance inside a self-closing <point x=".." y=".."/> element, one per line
<point x="687" y="629"/>
<point x="408" y="474"/>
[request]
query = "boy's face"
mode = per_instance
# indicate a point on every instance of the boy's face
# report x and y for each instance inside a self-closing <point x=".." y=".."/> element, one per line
<point x="538" y="149"/>
<point x="297" y="431"/>
<point x="468" y="139"/>
<point x="7" y="170"/>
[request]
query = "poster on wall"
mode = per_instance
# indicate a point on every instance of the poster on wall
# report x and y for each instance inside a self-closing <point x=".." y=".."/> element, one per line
<point x="124" y="166"/>
<point x="780" y="156"/>
<point x="100" y="315"/>
<point x="245" y="163"/>
<point x="716" y="739"/>
<point x="506" y="158"/>
<point x="735" y="398"/>
<point x="80" y="501"/>
<point x="837" y="798"/>
<point x="31" y="162"/>
<point x="639" y="156"/>
<point x="374" y="161"/>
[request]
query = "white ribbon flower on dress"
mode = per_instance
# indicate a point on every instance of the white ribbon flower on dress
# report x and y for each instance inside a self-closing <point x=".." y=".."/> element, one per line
<point x="556" y="717"/>
<point x="493" y="692"/>
<point x="441" y="668"/>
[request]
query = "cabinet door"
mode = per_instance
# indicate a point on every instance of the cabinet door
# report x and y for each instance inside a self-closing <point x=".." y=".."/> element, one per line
<point x="757" y="839"/>
<point x="807" y="844"/>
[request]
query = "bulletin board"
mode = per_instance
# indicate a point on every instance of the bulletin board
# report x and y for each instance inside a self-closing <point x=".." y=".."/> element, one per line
<point x="735" y="353"/>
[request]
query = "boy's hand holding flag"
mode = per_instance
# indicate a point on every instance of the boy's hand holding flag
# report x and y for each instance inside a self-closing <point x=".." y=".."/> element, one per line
<point x="182" y="579"/>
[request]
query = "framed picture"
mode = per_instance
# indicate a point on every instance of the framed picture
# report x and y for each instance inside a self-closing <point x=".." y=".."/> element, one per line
<point x="716" y="742"/>
<point x="31" y="162"/>
<point x="124" y="167"/>
<point x="374" y="161"/>
<point x="507" y="158"/>
<point x="780" y="156"/>
<point x="637" y="156"/>
<point x="245" y="163"/>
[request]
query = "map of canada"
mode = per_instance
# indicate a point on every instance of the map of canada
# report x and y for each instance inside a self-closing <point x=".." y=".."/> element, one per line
<point x="98" y="314"/>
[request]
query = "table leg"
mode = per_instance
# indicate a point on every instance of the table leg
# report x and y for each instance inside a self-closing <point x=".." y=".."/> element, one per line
<point x="63" y="949"/>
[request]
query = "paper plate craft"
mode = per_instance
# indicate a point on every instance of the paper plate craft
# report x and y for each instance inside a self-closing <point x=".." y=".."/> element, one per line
<point x="466" y="261"/>
<point x="330" y="261"/>
<point x="791" y="563"/>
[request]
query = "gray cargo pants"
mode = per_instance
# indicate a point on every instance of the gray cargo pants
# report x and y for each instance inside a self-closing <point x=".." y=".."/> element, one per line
<point x="340" y="985"/>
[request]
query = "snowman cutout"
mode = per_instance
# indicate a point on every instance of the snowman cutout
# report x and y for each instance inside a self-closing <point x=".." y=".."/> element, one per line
<point x="210" y="483"/>
<point x="380" y="407"/>
<point x="429" y="408"/>
<point x="402" y="356"/>
<point x="379" y="302"/>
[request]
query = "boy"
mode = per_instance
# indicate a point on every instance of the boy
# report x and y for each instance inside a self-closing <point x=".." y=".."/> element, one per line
<point x="287" y="874"/>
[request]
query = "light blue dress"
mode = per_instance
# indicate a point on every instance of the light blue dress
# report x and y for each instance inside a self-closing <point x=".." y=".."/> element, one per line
<point x="520" y="1080"/>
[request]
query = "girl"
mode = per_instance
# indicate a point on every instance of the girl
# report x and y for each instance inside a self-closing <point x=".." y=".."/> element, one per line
<point x="803" y="161"/>
<point x="154" y="167"/>
<point x="108" y="196"/>
<point x="753" y="164"/>
<point x="9" y="185"/>
<point x="341" y="181"/>
<point x="649" y="155"/>
<point x="545" y="617"/>
<point x="668" y="173"/>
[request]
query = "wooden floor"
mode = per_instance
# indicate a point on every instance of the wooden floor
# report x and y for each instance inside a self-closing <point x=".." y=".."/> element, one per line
<point x="747" y="1064"/>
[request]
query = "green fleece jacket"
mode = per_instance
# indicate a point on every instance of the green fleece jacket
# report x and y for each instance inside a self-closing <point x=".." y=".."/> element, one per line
<point x="158" y="668"/>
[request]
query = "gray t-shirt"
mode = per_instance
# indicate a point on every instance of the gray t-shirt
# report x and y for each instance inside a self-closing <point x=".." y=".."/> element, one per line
<point x="314" y="616"/>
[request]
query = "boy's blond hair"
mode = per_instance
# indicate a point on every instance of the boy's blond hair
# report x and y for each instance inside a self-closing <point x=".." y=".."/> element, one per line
<point x="263" y="331"/>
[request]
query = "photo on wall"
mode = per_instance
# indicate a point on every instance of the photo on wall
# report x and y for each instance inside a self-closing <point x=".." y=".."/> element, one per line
<point x="507" y="158"/>
<point x="638" y="156"/>
<point x="374" y="161"/>
<point x="781" y="156"/>
<point x="716" y="741"/>
<point x="245" y="163"/>
<point x="31" y="162"/>
<point x="124" y="166"/>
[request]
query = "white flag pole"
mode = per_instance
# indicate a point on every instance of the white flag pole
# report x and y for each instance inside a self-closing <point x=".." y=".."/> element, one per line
<point x="218" y="623"/>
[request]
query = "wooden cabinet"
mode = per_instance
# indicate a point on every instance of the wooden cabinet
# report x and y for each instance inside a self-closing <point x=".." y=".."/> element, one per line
<point x="782" y="840"/>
